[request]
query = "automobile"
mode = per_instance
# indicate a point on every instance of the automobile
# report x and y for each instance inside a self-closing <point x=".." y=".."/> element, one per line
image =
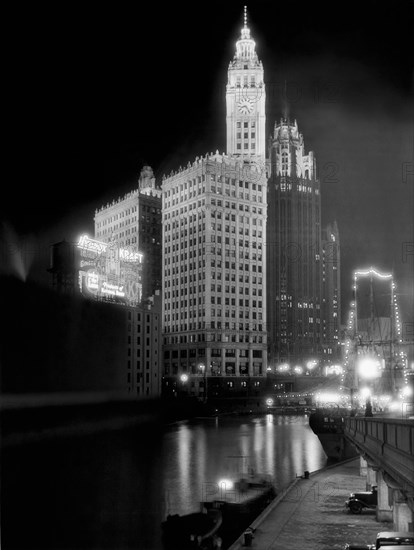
<point x="357" y="501"/>
<point x="358" y="546"/>
<point x="389" y="540"/>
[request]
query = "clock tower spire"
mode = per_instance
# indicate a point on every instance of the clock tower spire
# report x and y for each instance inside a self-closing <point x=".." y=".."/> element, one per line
<point x="245" y="100"/>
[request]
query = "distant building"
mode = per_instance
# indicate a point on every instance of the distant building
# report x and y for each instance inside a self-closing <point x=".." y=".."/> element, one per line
<point x="144" y="361"/>
<point x="134" y="222"/>
<point x="214" y="280"/>
<point x="294" y="250"/>
<point x="331" y="292"/>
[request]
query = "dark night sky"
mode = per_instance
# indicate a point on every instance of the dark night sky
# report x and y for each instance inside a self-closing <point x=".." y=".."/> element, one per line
<point x="93" y="93"/>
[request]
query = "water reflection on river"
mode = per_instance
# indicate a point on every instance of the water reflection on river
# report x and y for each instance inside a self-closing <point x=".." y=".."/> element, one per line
<point x="112" y="490"/>
<point x="202" y="453"/>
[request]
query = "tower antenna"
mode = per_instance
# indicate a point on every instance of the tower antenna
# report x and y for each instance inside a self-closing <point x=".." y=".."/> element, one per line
<point x="285" y="102"/>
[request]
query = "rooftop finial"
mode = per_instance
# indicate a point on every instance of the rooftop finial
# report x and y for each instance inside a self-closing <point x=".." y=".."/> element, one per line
<point x="245" y="17"/>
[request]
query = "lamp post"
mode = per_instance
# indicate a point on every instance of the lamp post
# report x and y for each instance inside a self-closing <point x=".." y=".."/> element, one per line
<point x="203" y="369"/>
<point x="184" y="380"/>
<point x="368" y="370"/>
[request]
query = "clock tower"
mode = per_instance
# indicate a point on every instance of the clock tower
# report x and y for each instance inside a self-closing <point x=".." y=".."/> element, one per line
<point x="245" y="100"/>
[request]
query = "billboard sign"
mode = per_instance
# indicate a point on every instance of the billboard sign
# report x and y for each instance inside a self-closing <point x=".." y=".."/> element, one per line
<point x="110" y="272"/>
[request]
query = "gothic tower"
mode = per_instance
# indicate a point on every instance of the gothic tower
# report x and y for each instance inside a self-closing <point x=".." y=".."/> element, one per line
<point x="245" y="100"/>
<point x="293" y="249"/>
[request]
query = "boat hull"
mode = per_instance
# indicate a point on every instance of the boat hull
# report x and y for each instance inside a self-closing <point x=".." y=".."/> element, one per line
<point x="238" y="515"/>
<point x="328" y="425"/>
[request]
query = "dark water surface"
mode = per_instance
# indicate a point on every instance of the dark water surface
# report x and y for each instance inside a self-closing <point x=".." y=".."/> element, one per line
<point x="112" y="490"/>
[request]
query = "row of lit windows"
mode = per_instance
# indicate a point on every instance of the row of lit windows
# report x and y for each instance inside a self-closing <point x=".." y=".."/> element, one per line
<point x="243" y="196"/>
<point x="215" y="300"/>
<point x="193" y="314"/>
<point x="118" y="216"/>
<point x="245" y="146"/>
<point x="223" y="276"/>
<point x="215" y="352"/>
<point x="192" y="185"/>
<point x="235" y="337"/>
<point x="246" y="80"/>
<point x="246" y="124"/>
<point x="203" y="325"/>
<point x="246" y="184"/>
<point x="302" y="188"/>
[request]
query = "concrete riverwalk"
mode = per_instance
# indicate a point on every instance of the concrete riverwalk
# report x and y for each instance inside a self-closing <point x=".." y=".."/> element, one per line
<point x="311" y="514"/>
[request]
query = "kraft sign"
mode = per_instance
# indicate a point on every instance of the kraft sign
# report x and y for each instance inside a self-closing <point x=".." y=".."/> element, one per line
<point x="99" y="247"/>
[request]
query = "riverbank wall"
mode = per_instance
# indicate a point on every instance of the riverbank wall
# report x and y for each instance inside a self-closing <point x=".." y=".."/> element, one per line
<point x="310" y="513"/>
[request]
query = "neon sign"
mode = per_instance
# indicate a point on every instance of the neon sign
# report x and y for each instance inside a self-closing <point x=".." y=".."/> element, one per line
<point x="129" y="255"/>
<point x="90" y="244"/>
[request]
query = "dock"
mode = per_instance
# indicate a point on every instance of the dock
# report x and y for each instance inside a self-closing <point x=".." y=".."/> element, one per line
<point x="310" y="513"/>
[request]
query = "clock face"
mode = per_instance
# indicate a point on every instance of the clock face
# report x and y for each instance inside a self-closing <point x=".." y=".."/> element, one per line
<point x="245" y="106"/>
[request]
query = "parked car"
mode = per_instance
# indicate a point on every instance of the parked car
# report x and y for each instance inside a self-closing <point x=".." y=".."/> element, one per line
<point x="357" y="546"/>
<point x="389" y="540"/>
<point x="358" y="501"/>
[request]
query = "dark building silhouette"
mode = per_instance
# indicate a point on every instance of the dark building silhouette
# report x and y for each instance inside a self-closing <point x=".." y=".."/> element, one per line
<point x="331" y="292"/>
<point x="294" y="252"/>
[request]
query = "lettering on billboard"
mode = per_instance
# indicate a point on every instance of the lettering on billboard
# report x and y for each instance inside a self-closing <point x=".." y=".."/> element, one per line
<point x="109" y="271"/>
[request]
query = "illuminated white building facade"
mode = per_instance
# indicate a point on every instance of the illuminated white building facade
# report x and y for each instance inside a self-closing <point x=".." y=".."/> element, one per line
<point x="245" y="100"/>
<point x="214" y="306"/>
<point x="214" y="225"/>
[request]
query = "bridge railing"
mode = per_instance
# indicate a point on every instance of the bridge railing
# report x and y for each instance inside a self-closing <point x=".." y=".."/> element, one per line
<point x="388" y="441"/>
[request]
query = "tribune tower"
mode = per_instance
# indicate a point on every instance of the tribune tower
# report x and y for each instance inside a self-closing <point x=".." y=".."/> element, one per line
<point x="245" y="100"/>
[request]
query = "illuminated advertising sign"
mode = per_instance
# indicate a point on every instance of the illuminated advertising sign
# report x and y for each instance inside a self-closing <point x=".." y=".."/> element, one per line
<point x="110" y="272"/>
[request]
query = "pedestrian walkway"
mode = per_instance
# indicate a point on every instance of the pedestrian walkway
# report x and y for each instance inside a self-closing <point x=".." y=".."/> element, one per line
<point x="311" y="514"/>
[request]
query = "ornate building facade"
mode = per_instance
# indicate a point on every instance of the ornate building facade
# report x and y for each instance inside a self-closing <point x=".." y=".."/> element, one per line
<point x="214" y="226"/>
<point x="214" y="304"/>
<point x="293" y="248"/>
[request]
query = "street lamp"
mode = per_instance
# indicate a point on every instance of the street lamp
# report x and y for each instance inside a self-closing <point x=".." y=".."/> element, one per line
<point x="368" y="370"/>
<point x="203" y="370"/>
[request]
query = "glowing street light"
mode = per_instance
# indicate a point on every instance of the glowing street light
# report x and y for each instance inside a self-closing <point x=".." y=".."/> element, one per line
<point x="184" y="378"/>
<point x="407" y="391"/>
<point x="368" y="368"/>
<point x="365" y="393"/>
<point x="284" y="367"/>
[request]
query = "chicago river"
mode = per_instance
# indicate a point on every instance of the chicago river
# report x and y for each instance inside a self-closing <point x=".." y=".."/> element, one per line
<point x="112" y="490"/>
